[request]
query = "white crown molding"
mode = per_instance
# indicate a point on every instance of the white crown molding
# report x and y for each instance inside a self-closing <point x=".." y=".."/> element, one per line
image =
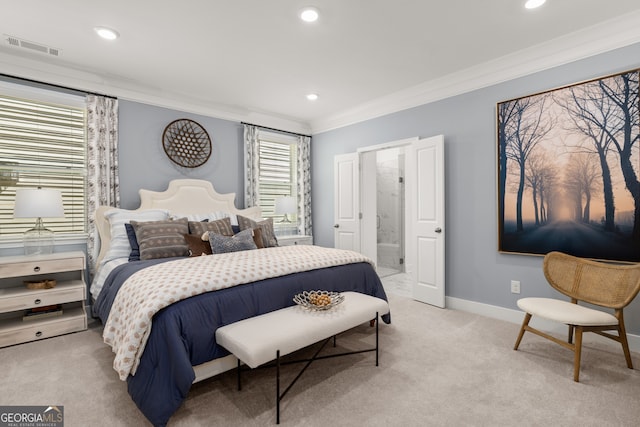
<point x="40" y="71"/>
<point x="600" y="38"/>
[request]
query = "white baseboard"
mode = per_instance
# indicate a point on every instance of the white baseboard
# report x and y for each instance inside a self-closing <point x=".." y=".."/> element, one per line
<point x="516" y="316"/>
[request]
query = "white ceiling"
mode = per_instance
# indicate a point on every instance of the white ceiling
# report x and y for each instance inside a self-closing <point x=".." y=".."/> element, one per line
<point x="254" y="60"/>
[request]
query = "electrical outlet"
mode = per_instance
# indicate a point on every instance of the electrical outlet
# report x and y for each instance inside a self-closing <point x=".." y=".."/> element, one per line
<point x="515" y="286"/>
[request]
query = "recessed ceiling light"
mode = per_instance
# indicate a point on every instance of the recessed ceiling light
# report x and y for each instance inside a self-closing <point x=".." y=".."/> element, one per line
<point x="309" y="14"/>
<point x="532" y="4"/>
<point x="107" y="33"/>
<point x="312" y="96"/>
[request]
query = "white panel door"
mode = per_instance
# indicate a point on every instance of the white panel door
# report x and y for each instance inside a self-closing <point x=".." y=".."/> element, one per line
<point x="368" y="205"/>
<point x="347" y="202"/>
<point x="425" y="220"/>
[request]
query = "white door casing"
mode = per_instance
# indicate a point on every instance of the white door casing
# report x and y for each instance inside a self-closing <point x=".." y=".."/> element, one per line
<point x="425" y="250"/>
<point x="347" y="201"/>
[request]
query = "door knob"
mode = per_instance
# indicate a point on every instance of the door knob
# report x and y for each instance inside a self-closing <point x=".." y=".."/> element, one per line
<point x="438" y="230"/>
<point x="336" y="226"/>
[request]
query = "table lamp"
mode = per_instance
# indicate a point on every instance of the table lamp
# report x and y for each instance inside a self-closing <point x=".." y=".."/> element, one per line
<point x="38" y="203"/>
<point x="285" y="205"/>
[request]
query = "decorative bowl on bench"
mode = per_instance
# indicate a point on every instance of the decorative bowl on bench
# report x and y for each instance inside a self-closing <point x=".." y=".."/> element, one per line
<point x="318" y="300"/>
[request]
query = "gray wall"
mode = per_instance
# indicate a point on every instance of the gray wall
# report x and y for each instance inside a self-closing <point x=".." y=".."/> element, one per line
<point x="474" y="269"/>
<point x="144" y="164"/>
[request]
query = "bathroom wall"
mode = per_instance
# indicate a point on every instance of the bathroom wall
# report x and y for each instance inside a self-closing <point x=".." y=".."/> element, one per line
<point x="390" y="203"/>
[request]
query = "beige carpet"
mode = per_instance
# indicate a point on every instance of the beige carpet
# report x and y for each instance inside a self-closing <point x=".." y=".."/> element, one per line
<point x="437" y="368"/>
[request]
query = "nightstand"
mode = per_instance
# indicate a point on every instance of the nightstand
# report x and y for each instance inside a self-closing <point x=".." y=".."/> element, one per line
<point x="20" y="317"/>
<point x="295" y="240"/>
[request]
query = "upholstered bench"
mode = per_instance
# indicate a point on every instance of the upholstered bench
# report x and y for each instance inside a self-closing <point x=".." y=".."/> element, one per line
<point x="261" y="339"/>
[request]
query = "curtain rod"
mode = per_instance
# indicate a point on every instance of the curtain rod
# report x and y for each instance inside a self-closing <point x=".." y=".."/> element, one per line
<point x="277" y="130"/>
<point x="56" y="86"/>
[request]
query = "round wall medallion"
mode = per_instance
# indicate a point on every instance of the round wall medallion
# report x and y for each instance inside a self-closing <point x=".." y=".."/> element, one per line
<point x="186" y="143"/>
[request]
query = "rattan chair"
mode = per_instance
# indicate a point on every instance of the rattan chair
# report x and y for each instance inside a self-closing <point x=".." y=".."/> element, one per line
<point x="612" y="286"/>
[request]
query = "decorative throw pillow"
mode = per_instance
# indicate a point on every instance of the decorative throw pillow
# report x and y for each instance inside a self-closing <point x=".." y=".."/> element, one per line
<point x="162" y="239"/>
<point x="134" y="255"/>
<point x="219" y="226"/>
<point x="266" y="227"/>
<point x="257" y="238"/>
<point x="197" y="246"/>
<point x="119" y="246"/>
<point x="210" y="216"/>
<point x="242" y="241"/>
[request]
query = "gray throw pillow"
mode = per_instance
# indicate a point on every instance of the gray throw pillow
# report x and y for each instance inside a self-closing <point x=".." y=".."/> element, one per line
<point x="266" y="227"/>
<point x="220" y="226"/>
<point x="162" y="239"/>
<point x="242" y="241"/>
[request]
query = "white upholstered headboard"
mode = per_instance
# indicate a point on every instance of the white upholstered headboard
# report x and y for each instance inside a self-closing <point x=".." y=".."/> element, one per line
<point x="183" y="197"/>
<point x="193" y="196"/>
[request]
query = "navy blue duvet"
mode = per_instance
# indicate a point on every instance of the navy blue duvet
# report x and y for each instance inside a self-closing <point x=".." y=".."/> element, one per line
<point x="183" y="334"/>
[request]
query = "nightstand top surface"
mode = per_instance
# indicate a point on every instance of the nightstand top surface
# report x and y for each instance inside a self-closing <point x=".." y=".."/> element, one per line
<point x="46" y="257"/>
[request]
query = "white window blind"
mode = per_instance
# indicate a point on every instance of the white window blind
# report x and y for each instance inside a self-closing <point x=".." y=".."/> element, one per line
<point x="278" y="171"/>
<point x="42" y="144"/>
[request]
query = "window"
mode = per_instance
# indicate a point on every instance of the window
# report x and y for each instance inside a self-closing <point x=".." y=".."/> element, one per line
<point x="42" y="144"/>
<point x="277" y="176"/>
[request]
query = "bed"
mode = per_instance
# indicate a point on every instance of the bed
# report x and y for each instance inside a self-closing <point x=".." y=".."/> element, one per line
<point x="160" y="313"/>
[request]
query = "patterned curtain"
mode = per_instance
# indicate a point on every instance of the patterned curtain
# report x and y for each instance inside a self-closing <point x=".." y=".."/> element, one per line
<point x="103" y="187"/>
<point x="304" y="185"/>
<point x="252" y="170"/>
<point x="251" y="166"/>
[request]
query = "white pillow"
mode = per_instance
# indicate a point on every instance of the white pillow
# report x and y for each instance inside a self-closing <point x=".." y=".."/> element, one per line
<point x="120" y="247"/>
<point x="220" y="215"/>
<point x="208" y="216"/>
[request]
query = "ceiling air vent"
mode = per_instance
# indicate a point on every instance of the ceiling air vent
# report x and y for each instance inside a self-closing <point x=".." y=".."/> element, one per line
<point x="32" y="46"/>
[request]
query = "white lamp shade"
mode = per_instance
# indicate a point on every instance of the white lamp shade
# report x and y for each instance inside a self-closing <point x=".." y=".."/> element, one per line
<point x="38" y="203"/>
<point x="285" y="205"/>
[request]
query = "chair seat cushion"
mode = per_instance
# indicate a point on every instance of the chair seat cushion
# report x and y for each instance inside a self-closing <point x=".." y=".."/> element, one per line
<point x="566" y="312"/>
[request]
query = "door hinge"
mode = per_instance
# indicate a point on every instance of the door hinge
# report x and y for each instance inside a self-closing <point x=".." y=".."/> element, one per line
<point x="401" y="261"/>
<point x="401" y="179"/>
<point x="360" y="215"/>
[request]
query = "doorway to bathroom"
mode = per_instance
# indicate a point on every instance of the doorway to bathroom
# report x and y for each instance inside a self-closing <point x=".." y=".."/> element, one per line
<point x="420" y="229"/>
<point x="383" y="206"/>
<point x="390" y="210"/>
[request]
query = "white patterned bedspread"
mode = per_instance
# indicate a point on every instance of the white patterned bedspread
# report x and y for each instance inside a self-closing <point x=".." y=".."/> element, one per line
<point x="155" y="287"/>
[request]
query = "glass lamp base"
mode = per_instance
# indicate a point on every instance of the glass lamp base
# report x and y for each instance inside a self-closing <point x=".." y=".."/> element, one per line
<point x="38" y="241"/>
<point x="285" y="229"/>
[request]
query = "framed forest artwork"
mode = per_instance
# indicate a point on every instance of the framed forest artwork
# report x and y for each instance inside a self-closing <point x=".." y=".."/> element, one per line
<point x="568" y="170"/>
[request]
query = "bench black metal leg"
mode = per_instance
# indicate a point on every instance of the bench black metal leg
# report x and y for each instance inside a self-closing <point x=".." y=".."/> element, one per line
<point x="278" y="387"/>
<point x="280" y="396"/>
<point x="377" y="323"/>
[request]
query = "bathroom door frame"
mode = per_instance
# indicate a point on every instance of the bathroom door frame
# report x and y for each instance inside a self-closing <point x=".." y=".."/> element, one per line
<point x="424" y="238"/>
<point x="369" y="196"/>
